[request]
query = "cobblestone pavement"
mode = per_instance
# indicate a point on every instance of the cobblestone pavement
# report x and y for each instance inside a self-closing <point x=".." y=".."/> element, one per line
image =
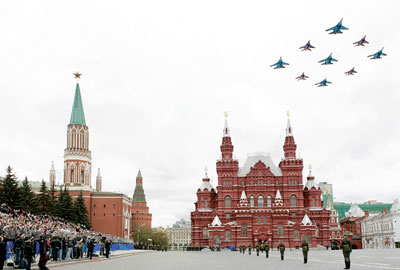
<point x="318" y="259"/>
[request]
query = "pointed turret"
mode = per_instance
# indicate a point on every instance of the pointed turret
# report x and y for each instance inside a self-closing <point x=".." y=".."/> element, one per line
<point x="216" y="221"/>
<point x="77" y="115"/>
<point x="52" y="179"/>
<point x="311" y="180"/>
<point x="98" y="181"/>
<point x="226" y="146"/>
<point x="278" y="201"/>
<point x="306" y="220"/>
<point x="290" y="146"/>
<point x="138" y="195"/>
<point x="244" y="203"/>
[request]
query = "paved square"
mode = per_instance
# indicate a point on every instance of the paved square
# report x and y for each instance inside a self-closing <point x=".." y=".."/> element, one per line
<point x="318" y="259"/>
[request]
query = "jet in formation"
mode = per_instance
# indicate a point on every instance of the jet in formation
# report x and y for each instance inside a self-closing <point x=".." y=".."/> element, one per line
<point x="337" y="28"/>
<point x="350" y="72"/>
<point x="302" y="77"/>
<point x="377" y="55"/>
<point x="324" y="82"/>
<point x="307" y="47"/>
<point x="361" y="42"/>
<point x="328" y="60"/>
<point x="279" y="64"/>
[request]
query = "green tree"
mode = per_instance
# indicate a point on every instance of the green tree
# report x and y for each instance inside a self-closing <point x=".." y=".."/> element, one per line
<point x="43" y="200"/>
<point x="27" y="197"/>
<point x="65" y="205"/>
<point x="81" y="212"/>
<point x="9" y="192"/>
<point x="53" y="202"/>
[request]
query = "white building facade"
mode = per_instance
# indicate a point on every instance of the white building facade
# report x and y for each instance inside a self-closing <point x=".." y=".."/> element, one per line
<point x="180" y="235"/>
<point x="382" y="230"/>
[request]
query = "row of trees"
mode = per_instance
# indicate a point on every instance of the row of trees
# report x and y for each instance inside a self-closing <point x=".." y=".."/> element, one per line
<point x="150" y="236"/>
<point x="47" y="201"/>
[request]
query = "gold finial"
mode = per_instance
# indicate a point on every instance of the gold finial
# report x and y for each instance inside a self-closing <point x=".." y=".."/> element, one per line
<point x="77" y="75"/>
<point x="288" y="114"/>
<point x="226" y="114"/>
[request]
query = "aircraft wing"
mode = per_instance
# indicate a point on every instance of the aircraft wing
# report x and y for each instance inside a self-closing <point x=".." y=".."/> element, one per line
<point x="333" y="59"/>
<point x="283" y="63"/>
<point x="344" y="28"/>
<point x="331" y="29"/>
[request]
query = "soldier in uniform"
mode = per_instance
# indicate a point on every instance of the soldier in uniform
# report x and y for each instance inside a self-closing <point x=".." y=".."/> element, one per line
<point x="266" y="248"/>
<point x="250" y="247"/>
<point x="281" y="248"/>
<point x="304" y="247"/>
<point x="346" y="247"/>
<point x="258" y="249"/>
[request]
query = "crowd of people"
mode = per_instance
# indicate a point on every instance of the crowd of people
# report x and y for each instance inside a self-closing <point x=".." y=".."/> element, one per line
<point x="25" y="237"/>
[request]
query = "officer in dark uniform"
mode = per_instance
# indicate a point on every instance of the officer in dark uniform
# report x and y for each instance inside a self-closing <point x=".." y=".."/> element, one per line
<point x="3" y="251"/>
<point x="281" y="248"/>
<point x="249" y="247"/>
<point x="266" y="249"/>
<point x="258" y="249"/>
<point x="304" y="247"/>
<point x="346" y="248"/>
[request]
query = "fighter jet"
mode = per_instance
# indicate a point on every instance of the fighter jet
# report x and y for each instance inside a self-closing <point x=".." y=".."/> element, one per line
<point x="328" y="60"/>
<point x="302" y="77"/>
<point x="337" y="28"/>
<point x="377" y="55"/>
<point x="350" y="72"/>
<point x="307" y="47"/>
<point x="279" y="64"/>
<point x="324" y="82"/>
<point x="361" y="42"/>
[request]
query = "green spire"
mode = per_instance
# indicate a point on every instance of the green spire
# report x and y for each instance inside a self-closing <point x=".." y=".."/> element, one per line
<point x="77" y="115"/>
<point x="138" y="195"/>
<point x="139" y="174"/>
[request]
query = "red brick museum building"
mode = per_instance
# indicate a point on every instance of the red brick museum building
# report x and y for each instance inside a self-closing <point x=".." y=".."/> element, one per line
<point x="261" y="201"/>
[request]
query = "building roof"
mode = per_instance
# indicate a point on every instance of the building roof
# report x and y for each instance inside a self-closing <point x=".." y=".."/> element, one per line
<point x="243" y="196"/>
<point x="216" y="221"/>
<point x="105" y="193"/>
<point x="253" y="159"/>
<point x="354" y="211"/>
<point x="206" y="185"/>
<point x="376" y="208"/>
<point x="278" y="195"/>
<point x="139" y="174"/>
<point x="77" y="115"/>
<point x="306" y="220"/>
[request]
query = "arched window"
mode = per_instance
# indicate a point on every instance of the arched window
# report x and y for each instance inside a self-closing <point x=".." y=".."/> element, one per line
<point x="251" y="201"/>
<point x="216" y="240"/>
<point x="227" y="202"/>
<point x="293" y="200"/>
<point x="259" y="220"/>
<point x="72" y="176"/>
<point x="205" y="204"/>
<point x="265" y="220"/>
<point x="313" y="202"/>
<point x="269" y="201"/>
<point x="205" y="232"/>
<point x="82" y="177"/>
<point x="244" y="230"/>
<point x="280" y="230"/>
<point x="242" y="182"/>
<point x="296" y="235"/>
<point x="227" y="236"/>
<point x="260" y="201"/>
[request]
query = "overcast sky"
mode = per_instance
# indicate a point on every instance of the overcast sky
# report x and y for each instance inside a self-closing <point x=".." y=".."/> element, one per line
<point x="158" y="75"/>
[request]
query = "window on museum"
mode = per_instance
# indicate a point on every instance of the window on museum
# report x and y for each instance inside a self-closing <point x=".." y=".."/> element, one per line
<point x="94" y="205"/>
<point x="277" y="182"/>
<point x="244" y="230"/>
<point x="280" y="230"/>
<point x="313" y="202"/>
<point x="265" y="220"/>
<point x="82" y="177"/>
<point x="296" y="235"/>
<point x="251" y="201"/>
<point x="72" y="176"/>
<point x="227" y="236"/>
<point x="227" y="202"/>
<point x="293" y="214"/>
<point x="228" y="216"/>
<point x="104" y="206"/>
<point x="259" y="220"/>
<point x="205" y="232"/>
<point x="293" y="200"/>
<point x="269" y="201"/>
<point x="205" y="204"/>
<point x="242" y="182"/>
<point x="260" y="201"/>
